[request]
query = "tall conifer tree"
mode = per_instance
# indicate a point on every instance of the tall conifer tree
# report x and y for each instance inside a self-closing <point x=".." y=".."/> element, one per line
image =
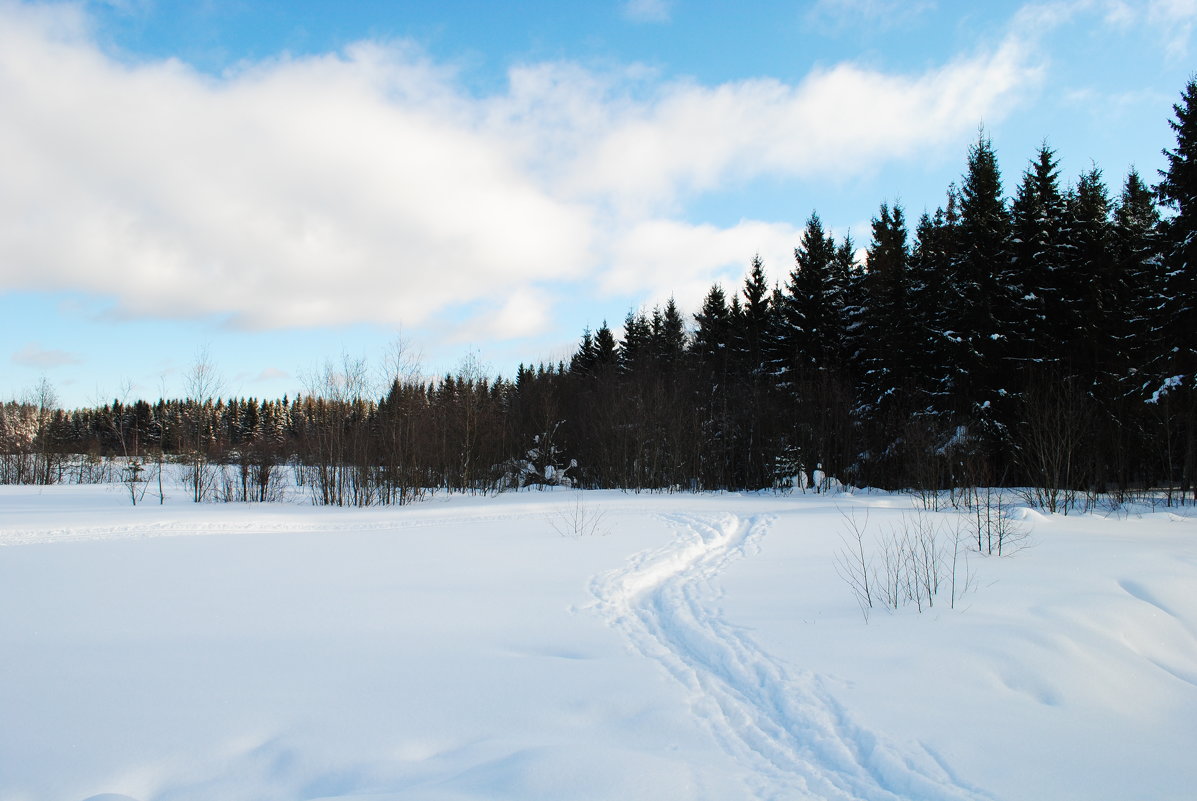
<point x="1041" y="298"/>
<point x="1176" y="372"/>
<point x="757" y="324"/>
<point x="809" y="316"/>
<point x="981" y="292"/>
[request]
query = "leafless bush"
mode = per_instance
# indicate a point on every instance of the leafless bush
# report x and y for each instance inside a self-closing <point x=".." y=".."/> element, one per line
<point x="925" y="555"/>
<point x="203" y="385"/>
<point x="851" y="563"/>
<point x="90" y="468"/>
<point x="134" y="478"/>
<point x="253" y="477"/>
<point x="1054" y="442"/>
<point x="202" y="478"/>
<point x="927" y="461"/>
<point x="338" y="467"/>
<point x="917" y="558"/>
<point x="578" y="519"/>
<point x="991" y="522"/>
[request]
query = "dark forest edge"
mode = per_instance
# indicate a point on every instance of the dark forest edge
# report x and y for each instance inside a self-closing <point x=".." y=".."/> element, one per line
<point x="1046" y="340"/>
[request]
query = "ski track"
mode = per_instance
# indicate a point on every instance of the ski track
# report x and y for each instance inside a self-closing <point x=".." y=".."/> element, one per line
<point x="781" y="724"/>
<point x="185" y="528"/>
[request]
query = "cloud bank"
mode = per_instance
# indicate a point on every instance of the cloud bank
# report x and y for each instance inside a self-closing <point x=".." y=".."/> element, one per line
<point x="369" y="185"/>
<point x="34" y="355"/>
<point x="647" y="10"/>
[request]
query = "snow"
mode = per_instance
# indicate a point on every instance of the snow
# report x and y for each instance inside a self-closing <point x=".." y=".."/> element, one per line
<point x="695" y="647"/>
<point x="1169" y="384"/>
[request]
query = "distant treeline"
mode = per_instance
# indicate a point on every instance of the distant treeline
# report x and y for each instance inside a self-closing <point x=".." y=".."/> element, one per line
<point x="1046" y="339"/>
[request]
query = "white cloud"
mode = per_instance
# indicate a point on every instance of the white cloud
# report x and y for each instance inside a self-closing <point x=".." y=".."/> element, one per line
<point x="647" y="10"/>
<point x="305" y="192"/>
<point x="369" y="186"/>
<point x="262" y="376"/>
<point x="837" y="122"/>
<point x="1172" y="20"/>
<point x="271" y="374"/>
<point x="1118" y="12"/>
<point x="34" y="355"/>
<point x="1175" y="18"/>
<point x="872" y="12"/>
<point x="1173" y="9"/>
<point x="523" y="312"/>
<point x="663" y="258"/>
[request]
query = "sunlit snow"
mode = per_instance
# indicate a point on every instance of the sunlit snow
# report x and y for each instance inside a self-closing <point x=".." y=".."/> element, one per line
<point x="690" y="647"/>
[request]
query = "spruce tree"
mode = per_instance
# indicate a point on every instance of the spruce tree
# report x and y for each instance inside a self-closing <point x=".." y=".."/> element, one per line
<point x="1176" y="366"/>
<point x="713" y="335"/>
<point x="1140" y="266"/>
<point x="583" y="359"/>
<point x="1041" y="298"/>
<point x="1136" y="330"/>
<point x="669" y="335"/>
<point x="757" y="402"/>
<point x="736" y="343"/>
<point x="934" y="340"/>
<point x="882" y="323"/>
<point x="1091" y="286"/>
<point x="812" y="386"/>
<point x="606" y="356"/>
<point x="981" y="293"/>
<point x="810" y="311"/>
<point x="714" y="390"/>
<point x="635" y="351"/>
<point x="880" y="336"/>
<point x="757" y="320"/>
<point x="1178" y="193"/>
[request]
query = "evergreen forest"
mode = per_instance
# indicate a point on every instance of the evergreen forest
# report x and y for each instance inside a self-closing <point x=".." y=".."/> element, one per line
<point x="1039" y="333"/>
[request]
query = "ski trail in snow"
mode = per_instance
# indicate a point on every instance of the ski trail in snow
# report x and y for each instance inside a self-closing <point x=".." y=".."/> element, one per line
<point x="290" y="523"/>
<point x="782" y="724"/>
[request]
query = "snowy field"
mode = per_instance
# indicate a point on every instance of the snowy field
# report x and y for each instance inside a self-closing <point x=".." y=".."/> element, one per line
<point x="692" y="647"/>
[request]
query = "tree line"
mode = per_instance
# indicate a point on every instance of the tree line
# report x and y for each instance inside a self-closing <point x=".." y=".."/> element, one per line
<point x="1043" y="339"/>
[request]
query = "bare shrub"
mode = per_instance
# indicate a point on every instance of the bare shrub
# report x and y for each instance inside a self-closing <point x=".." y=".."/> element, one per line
<point x="133" y="477"/>
<point x="927" y="461"/>
<point x="203" y="385"/>
<point x="1054" y="442"/>
<point x="578" y="519"/>
<point x="917" y="558"/>
<point x="991" y="522"/>
<point x="851" y="563"/>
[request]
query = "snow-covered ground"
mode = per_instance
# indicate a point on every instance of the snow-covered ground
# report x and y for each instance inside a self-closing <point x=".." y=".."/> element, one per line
<point x="694" y="647"/>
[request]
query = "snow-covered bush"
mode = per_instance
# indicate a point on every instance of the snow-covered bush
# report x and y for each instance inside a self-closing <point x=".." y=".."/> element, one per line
<point x="539" y="466"/>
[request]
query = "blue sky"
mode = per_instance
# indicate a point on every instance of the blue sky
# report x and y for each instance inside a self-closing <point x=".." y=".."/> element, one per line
<point x="281" y="185"/>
